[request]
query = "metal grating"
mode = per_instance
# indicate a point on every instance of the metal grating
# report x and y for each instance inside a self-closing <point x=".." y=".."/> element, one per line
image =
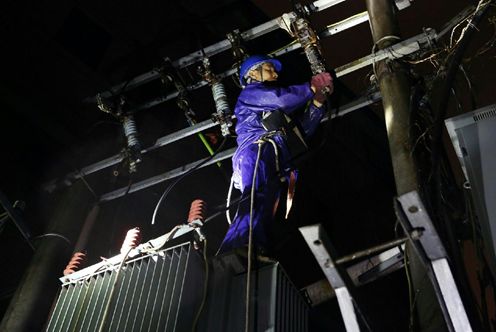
<point x="276" y="305"/>
<point x="291" y="309"/>
<point x="150" y="295"/>
<point x="491" y="113"/>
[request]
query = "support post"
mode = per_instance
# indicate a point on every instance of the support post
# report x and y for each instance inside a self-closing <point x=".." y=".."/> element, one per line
<point x="28" y="310"/>
<point x="395" y="90"/>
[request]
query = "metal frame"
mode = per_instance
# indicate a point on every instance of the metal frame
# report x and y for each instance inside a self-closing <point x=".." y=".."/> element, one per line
<point x="361" y="273"/>
<point x="427" y="244"/>
<point x="396" y="51"/>
<point x="219" y="47"/>
<point x="431" y="251"/>
<point x="350" y="107"/>
<point x="326" y="256"/>
<point x="331" y="30"/>
<point x="399" y="50"/>
<point x="16" y="219"/>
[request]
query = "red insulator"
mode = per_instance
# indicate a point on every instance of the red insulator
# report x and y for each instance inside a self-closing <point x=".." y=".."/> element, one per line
<point x="197" y="211"/>
<point x="132" y="240"/>
<point x="75" y="263"/>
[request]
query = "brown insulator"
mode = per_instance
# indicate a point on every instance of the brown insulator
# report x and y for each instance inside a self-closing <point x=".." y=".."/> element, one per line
<point x="75" y="263"/>
<point x="132" y="240"/>
<point x="197" y="211"/>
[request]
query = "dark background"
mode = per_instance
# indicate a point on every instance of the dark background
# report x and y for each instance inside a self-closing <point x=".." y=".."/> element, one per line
<point x="55" y="54"/>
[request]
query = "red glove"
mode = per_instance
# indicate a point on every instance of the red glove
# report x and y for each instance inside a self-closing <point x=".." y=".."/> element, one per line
<point x="322" y="85"/>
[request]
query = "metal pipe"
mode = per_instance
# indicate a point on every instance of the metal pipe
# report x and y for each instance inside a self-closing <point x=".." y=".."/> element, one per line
<point x="371" y="250"/>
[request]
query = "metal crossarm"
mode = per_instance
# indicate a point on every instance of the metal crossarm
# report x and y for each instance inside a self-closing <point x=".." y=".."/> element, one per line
<point x="171" y="138"/>
<point x="14" y="216"/>
<point x="214" y="49"/>
<point x="432" y="252"/>
<point x="397" y="51"/>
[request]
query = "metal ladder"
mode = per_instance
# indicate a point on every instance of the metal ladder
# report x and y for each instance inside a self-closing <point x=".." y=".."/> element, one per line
<point x="428" y="246"/>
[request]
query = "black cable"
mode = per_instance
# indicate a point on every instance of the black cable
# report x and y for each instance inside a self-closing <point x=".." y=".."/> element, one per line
<point x="205" y="288"/>
<point x="451" y="73"/>
<point x="437" y="152"/>
<point x="191" y="170"/>
<point x="250" y="238"/>
<point x="220" y="209"/>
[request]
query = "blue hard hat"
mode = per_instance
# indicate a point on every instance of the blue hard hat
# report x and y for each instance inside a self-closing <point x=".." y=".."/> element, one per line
<point x="254" y="61"/>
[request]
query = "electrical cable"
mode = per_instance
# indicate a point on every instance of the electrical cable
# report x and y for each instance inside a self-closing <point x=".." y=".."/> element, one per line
<point x="453" y="66"/>
<point x="191" y="170"/>
<point x="205" y="287"/>
<point x="53" y="235"/>
<point x="250" y="238"/>
<point x="114" y="286"/>
<point x="228" y="201"/>
<point x="82" y="176"/>
<point x="410" y="297"/>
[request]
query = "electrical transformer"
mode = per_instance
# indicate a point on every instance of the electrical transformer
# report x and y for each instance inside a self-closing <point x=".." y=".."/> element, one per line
<point x="164" y="291"/>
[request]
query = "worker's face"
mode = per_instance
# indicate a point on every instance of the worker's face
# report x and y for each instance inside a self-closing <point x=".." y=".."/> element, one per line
<point x="264" y="73"/>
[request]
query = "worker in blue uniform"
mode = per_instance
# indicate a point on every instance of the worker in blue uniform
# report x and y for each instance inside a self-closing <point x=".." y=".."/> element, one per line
<point x="258" y="100"/>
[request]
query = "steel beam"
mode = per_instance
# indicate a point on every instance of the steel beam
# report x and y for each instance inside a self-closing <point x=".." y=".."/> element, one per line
<point x="165" y="176"/>
<point x="353" y="106"/>
<point x="330" y="30"/>
<point x="201" y="126"/>
<point x="395" y="51"/>
<point x="211" y="50"/>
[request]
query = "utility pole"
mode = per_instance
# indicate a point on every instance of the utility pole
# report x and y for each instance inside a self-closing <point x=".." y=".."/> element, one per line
<point x="29" y="308"/>
<point x="395" y="90"/>
<point x="394" y="85"/>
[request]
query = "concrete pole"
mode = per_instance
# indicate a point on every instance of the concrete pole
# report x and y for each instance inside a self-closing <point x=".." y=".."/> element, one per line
<point x="395" y="90"/>
<point x="29" y="308"/>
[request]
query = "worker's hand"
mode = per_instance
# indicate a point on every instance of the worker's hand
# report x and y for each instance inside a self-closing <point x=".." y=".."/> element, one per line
<point x="321" y="85"/>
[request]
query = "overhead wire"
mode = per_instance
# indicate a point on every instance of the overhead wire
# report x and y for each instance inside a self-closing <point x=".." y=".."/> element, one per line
<point x="177" y="180"/>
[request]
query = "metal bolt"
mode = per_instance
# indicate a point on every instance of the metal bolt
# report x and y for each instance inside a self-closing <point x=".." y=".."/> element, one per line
<point x="413" y="209"/>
